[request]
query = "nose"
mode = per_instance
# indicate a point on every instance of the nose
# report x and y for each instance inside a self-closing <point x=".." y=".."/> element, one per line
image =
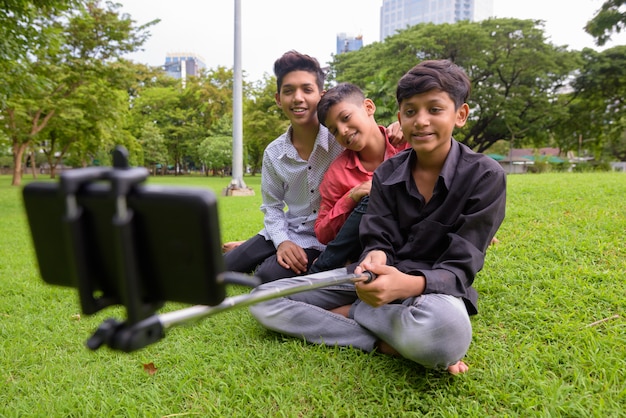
<point x="421" y="119"/>
<point x="297" y="95"/>
<point x="342" y="129"/>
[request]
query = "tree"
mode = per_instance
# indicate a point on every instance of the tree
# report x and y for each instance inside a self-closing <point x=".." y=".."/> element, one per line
<point x="609" y="19"/>
<point x="216" y="153"/>
<point x="598" y="113"/>
<point x="183" y="115"/>
<point x="87" y="40"/>
<point x="23" y="29"/>
<point x="264" y="121"/>
<point x="516" y="75"/>
<point x="153" y="147"/>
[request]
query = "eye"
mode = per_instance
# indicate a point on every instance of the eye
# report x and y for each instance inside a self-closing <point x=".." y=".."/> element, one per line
<point x="435" y="110"/>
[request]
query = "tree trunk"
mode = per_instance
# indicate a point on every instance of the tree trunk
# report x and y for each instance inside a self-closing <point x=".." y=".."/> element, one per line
<point x="33" y="165"/>
<point x="18" y="154"/>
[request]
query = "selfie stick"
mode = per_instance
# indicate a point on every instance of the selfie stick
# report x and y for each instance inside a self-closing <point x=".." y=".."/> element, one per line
<point x="142" y="325"/>
<point x="132" y="336"/>
<point x="309" y="283"/>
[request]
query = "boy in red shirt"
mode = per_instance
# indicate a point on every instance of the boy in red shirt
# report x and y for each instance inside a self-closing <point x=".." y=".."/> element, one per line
<point x="349" y="116"/>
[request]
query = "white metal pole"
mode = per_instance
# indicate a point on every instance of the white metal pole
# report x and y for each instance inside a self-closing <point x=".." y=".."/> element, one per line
<point x="237" y="180"/>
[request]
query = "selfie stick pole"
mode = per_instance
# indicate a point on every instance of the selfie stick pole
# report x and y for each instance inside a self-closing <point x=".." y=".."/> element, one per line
<point x="170" y="319"/>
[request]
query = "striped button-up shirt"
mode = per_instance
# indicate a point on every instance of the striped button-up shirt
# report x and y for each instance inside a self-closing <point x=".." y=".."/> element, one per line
<point x="288" y="181"/>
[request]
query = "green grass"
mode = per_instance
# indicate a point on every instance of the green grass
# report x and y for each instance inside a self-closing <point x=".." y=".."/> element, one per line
<point x="559" y="267"/>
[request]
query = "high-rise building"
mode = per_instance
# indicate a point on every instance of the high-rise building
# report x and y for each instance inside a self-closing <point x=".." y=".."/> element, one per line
<point x="183" y="64"/>
<point x="400" y="14"/>
<point x="347" y="42"/>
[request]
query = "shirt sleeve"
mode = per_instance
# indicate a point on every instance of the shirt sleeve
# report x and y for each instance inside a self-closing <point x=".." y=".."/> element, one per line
<point x="454" y="271"/>
<point x="273" y="206"/>
<point x="336" y="203"/>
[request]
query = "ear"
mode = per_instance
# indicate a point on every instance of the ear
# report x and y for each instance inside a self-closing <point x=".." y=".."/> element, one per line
<point x="461" y="115"/>
<point x="369" y="106"/>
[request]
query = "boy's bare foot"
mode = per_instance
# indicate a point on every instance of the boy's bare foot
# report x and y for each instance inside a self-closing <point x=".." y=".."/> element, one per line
<point x="458" y="368"/>
<point x="342" y="310"/>
<point x="384" y="348"/>
<point x="229" y="246"/>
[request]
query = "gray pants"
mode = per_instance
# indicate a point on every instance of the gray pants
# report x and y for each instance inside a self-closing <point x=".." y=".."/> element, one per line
<point x="433" y="330"/>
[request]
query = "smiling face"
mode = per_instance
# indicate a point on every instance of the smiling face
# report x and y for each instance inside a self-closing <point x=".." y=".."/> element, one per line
<point x="298" y="97"/>
<point x="428" y="119"/>
<point x="350" y="121"/>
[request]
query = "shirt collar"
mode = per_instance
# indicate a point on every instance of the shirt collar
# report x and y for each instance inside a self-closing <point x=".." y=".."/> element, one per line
<point x="449" y="168"/>
<point x="353" y="160"/>
<point x="402" y="173"/>
<point x="322" y="140"/>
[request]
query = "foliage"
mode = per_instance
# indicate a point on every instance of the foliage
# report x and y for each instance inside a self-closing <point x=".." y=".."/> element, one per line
<point x="23" y="29"/>
<point x="549" y="340"/>
<point x="153" y="147"/>
<point x="511" y="99"/>
<point x="598" y="112"/>
<point x="216" y="153"/>
<point x="182" y="115"/>
<point x="264" y="121"/>
<point x="611" y="18"/>
<point x="65" y="90"/>
<point x="86" y="39"/>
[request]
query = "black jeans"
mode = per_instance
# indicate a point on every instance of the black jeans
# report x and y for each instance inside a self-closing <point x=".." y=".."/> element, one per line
<point x="258" y="255"/>
<point x="346" y="247"/>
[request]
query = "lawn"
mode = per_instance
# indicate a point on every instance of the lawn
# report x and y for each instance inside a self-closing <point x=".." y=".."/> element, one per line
<point x="549" y="340"/>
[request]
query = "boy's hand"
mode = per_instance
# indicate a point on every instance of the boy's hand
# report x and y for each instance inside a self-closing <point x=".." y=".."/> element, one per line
<point x="358" y="192"/>
<point x="395" y="135"/>
<point x="292" y="256"/>
<point x="373" y="257"/>
<point x="390" y="284"/>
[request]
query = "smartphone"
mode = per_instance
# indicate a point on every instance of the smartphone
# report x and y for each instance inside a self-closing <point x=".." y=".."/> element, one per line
<point x="170" y="249"/>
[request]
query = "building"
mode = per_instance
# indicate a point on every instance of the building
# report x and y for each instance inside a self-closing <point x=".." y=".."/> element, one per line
<point x="346" y="43"/>
<point x="400" y="14"/>
<point x="183" y="64"/>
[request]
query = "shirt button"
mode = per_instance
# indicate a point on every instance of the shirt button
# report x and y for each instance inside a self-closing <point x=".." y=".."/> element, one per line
<point x="312" y="190"/>
<point x="314" y="211"/>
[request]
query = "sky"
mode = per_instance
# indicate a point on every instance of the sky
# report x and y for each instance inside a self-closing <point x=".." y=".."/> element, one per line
<point x="271" y="27"/>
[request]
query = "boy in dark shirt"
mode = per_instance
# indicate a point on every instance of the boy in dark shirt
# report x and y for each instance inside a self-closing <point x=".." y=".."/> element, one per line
<point x="432" y="213"/>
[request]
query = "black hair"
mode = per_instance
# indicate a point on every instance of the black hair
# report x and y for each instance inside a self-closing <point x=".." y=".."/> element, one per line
<point x="295" y="61"/>
<point x="341" y="92"/>
<point x="429" y="75"/>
